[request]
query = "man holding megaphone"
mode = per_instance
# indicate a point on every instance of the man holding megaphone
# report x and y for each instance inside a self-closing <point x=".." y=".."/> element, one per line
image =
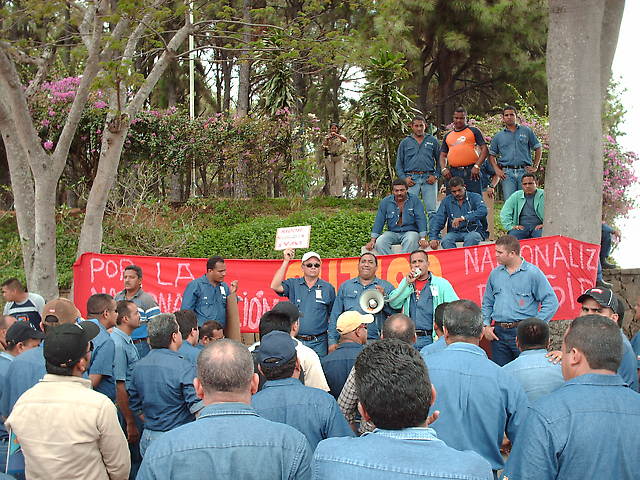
<point x="419" y="293"/>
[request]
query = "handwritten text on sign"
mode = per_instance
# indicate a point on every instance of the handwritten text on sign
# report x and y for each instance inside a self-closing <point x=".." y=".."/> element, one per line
<point x="293" y="237"/>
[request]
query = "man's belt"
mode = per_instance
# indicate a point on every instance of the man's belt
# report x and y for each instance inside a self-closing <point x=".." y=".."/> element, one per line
<point x="423" y="333"/>
<point x="513" y="168"/>
<point x="507" y="324"/>
<point x="417" y="172"/>
<point x="311" y="338"/>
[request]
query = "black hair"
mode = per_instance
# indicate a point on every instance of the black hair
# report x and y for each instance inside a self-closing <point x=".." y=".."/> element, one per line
<point x="532" y="333"/>
<point x="122" y="308"/>
<point x="510" y="242"/>
<point x="399" y="181"/>
<point x="278" y="372"/>
<point x="98" y="303"/>
<point x="272" y="321"/>
<point x="456" y="182"/>
<point x="213" y="261"/>
<point x="134" y="268"/>
<point x="598" y="338"/>
<point x="187" y="321"/>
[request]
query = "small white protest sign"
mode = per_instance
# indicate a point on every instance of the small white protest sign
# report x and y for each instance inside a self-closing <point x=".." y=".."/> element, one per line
<point x="293" y="237"/>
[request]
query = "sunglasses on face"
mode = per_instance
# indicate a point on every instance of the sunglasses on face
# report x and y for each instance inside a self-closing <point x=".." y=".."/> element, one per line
<point x="312" y="265"/>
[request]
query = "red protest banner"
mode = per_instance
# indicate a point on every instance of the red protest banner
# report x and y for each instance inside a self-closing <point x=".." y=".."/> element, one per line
<point x="570" y="266"/>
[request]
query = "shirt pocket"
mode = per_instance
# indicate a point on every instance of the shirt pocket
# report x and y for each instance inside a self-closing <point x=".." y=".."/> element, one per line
<point x="409" y="215"/>
<point x="523" y="299"/>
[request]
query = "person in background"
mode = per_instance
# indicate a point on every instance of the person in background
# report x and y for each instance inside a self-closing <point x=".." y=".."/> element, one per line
<point x="333" y="147"/>
<point x="188" y="325"/>
<point x="101" y="310"/>
<point x="210" y="331"/>
<point x="23" y="305"/>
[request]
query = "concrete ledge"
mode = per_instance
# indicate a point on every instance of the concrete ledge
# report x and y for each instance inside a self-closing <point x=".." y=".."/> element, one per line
<point x="396" y="249"/>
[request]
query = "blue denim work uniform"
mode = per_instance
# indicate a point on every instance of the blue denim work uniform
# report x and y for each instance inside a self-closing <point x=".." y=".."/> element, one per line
<point x="5" y="362"/>
<point x="24" y="372"/>
<point x="101" y="362"/>
<point x="588" y="428"/>
<point x="309" y="410"/>
<point x="474" y="228"/>
<point x="514" y="297"/>
<point x="125" y="357"/>
<point x="513" y="152"/>
<point x="208" y="302"/>
<point x="348" y="298"/>
<point x="434" y="347"/>
<point x="229" y="440"/>
<point x="162" y="389"/>
<point x="338" y="364"/>
<point x="148" y="309"/>
<point x="414" y="224"/>
<point x="537" y="375"/>
<point x="478" y="401"/>
<point x="396" y="455"/>
<point x="189" y="352"/>
<point x="315" y="303"/>
<point x="414" y="157"/>
<point x="628" y="369"/>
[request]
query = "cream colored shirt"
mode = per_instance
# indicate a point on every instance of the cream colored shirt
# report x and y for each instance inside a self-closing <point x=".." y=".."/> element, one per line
<point x="68" y="431"/>
<point x="310" y="363"/>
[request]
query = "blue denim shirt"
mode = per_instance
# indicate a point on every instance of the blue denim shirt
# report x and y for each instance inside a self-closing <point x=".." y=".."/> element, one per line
<point x="147" y="307"/>
<point x="628" y="369"/>
<point x="309" y="410"/>
<point x="477" y="399"/>
<point x="24" y="372"/>
<point x="102" y="359"/>
<point x="537" y="375"/>
<point x="125" y="357"/>
<point x="588" y="428"/>
<point x="514" y="297"/>
<point x="189" y="352"/>
<point x="162" y="388"/>
<point x="5" y="362"/>
<point x="413" y="216"/>
<point x="513" y="149"/>
<point x="338" y="364"/>
<point x="228" y="440"/>
<point x="315" y="303"/>
<point x="418" y="157"/>
<point x="434" y="347"/>
<point x="421" y="310"/>
<point x="473" y="209"/>
<point x="208" y="302"/>
<point x="396" y="455"/>
<point x="348" y="298"/>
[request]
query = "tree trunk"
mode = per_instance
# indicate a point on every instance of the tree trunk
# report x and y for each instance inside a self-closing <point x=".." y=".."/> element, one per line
<point x="446" y="84"/>
<point x="44" y="277"/>
<point x="227" y="66"/>
<point x="244" y="93"/>
<point x="573" y="196"/>
<point x="613" y="11"/>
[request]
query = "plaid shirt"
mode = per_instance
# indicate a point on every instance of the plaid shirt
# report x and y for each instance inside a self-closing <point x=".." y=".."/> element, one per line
<point x="348" y="403"/>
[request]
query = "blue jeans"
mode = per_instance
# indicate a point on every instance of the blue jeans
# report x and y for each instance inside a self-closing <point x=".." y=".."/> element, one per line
<point x="504" y="349"/>
<point x="408" y="240"/>
<point x="512" y="181"/>
<point x="469" y="238"/>
<point x="527" y="232"/>
<point x="465" y="172"/>
<point x="423" y="341"/>
<point x="319" y="345"/>
<point x="605" y="242"/>
<point x="429" y="191"/>
<point x="146" y="438"/>
<point x="134" y="448"/>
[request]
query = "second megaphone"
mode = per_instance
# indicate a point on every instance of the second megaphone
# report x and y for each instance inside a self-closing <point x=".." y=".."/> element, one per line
<point x="371" y="301"/>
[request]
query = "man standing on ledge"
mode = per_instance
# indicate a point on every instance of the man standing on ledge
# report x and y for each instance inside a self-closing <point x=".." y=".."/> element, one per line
<point x="459" y="151"/>
<point x="515" y="290"/>
<point x="417" y="163"/>
<point x="211" y="298"/>
<point x="313" y="296"/>
<point x="406" y="222"/>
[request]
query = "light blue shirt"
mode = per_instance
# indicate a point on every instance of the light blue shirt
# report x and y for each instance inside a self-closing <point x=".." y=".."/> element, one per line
<point x="189" y="352"/>
<point x="478" y="401"/>
<point x="147" y="307"/>
<point x="513" y="149"/>
<point x="5" y="362"/>
<point x="628" y="369"/>
<point x="418" y="157"/>
<point x="228" y="440"/>
<point x="434" y="347"/>
<point x="413" y="216"/>
<point x="396" y="455"/>
<point x="588" y="428"/>
<point x="537" y="375"/>
<point x="514" y="297"/>
<point x="125" y="356"/>
<point x="309" y="410"/>
<point x="102" y="359"/>
<point x="208" y="302"/>
<point x="24" y="372"/>
<point x="315" y="303"/>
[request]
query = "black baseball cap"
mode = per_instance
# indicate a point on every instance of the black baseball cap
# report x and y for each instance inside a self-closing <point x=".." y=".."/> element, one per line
<point x="65" y="344"/>
<point x="22" y="331"/>
<point x="276" y="348"/>
<point x="288" y="309"/>
<point x="604" y="296"/>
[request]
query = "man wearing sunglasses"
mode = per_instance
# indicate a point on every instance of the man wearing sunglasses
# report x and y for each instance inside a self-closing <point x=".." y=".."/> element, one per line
<point x="312" y="295"/>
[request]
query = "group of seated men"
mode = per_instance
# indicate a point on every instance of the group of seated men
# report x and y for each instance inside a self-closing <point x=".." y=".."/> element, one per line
<point x="324" y="370"/>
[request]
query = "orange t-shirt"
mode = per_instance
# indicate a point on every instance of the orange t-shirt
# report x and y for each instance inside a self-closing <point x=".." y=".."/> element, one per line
<point x="461" y="147"/>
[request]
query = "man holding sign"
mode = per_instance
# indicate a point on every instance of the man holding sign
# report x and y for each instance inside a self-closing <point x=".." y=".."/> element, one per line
<point x="313" y="296"/>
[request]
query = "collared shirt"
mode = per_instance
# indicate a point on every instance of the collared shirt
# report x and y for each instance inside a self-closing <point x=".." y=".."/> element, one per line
<point x="189" y="352"/>
<point x="338" y="364"/>
<point x="516" y="296"/>
<point x="5" y="362"/>
<point x="513" y="149"/>
<point x="537" y="375"/>
<point x="348" y="403"/>
<point x="102" y="359"/>
<point x="311" y="366"/>
<point x="418" y="157"/>
<point x="23" y="373"/>
<point x="30" y="310"/>
<point x="229" y="440"/>
<point x="147" y="307"/>
<point x="434" y="347"/>
<point x="67" y="430"/>
<point x="396" y="455"/>
<point x="413" y="216"/>
<point x="348" y="298"/>
<point x="588" y="428"/>
<point x="162" y="388"/>
<point x="208" y="302"/>
<point x="125" y="356"/>
<point x="315" y="303"/>
<point x="459" y="145"/>
<point x="479" y="402"/>
<point x="628" y="369"/>
<point x="311" y="411"/>
<point x="472" y="209"/>
<point x="510" y="212"/>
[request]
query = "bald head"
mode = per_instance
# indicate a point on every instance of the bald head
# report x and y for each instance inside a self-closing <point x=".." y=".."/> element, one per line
<point x="225" y="366"/>
<point x="401" y="327"/>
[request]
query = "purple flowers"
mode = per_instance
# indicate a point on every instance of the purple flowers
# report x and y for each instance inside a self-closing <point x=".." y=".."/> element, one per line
<point x="48" y="145"/>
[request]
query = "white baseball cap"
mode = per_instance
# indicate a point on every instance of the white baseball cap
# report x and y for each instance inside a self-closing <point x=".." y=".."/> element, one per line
<point x="309" y="255"/>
